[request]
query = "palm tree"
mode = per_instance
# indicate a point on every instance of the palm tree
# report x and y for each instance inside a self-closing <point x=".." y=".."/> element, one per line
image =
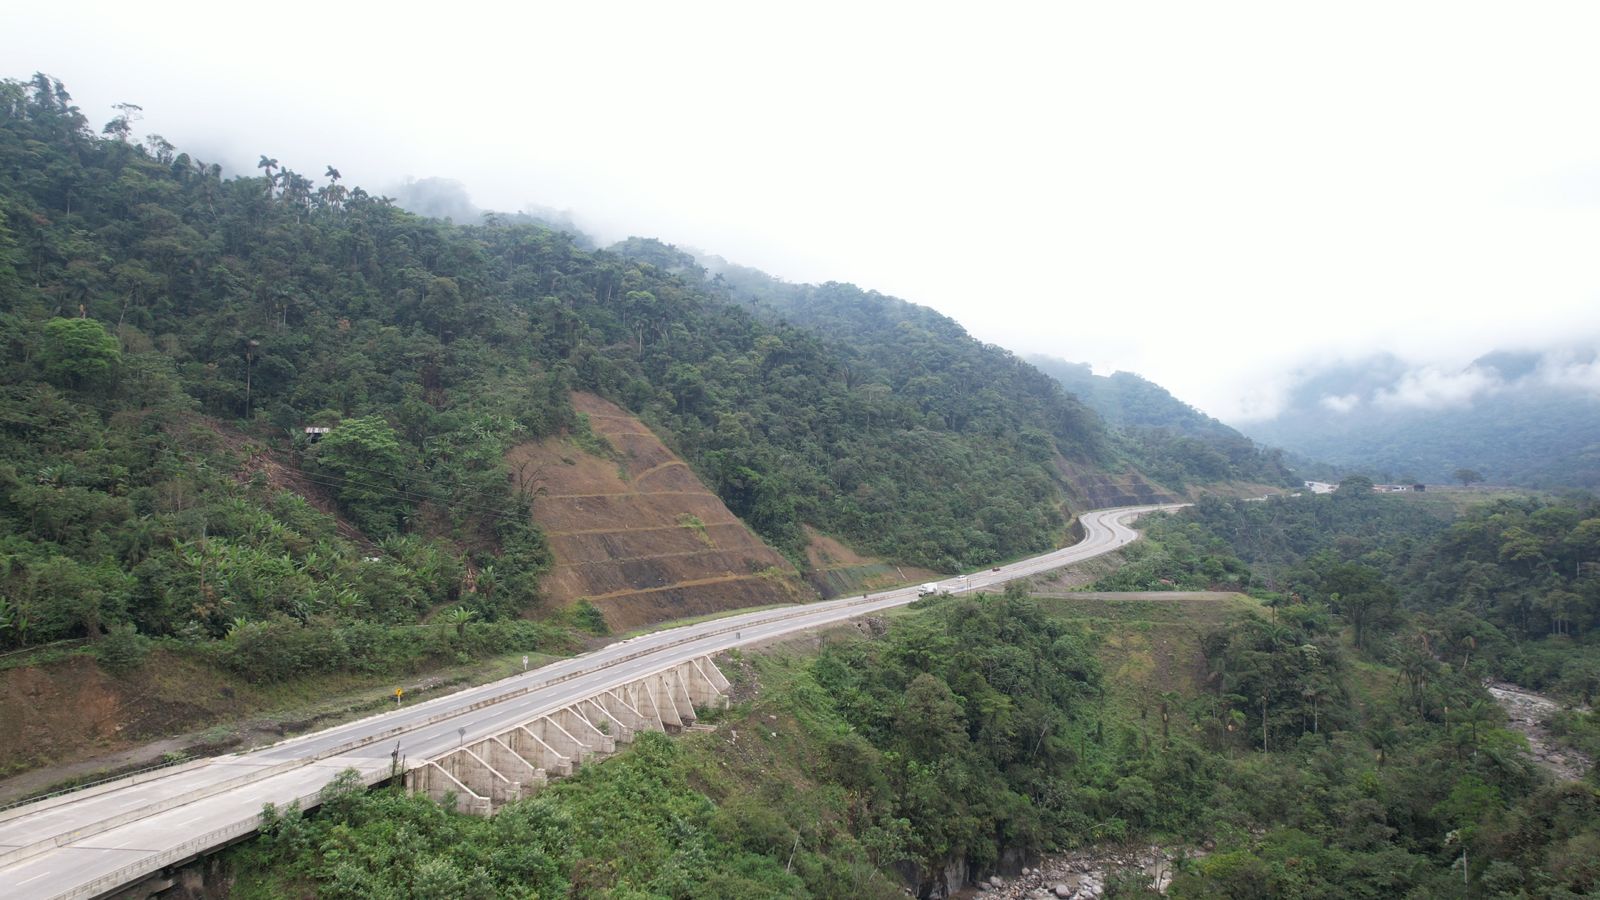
<point x="459" y="617"/>
<point x="488" y="580"/>
<point x="1481" y="712"/>
<point x="334" y="193"/>
<point x="269" y="164"/>
<point x="1384" y="736"/>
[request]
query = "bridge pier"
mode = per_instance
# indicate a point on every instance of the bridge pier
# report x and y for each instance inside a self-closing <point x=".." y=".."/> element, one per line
<point x="602" y="719"/>
<point x="431" y="779"/>
<point x="532" y="748"/>
<point x="625" y="712"/>
<point x="498" y="769"/>
<point x="551" y="732"/>
<point x="510" y="764"/>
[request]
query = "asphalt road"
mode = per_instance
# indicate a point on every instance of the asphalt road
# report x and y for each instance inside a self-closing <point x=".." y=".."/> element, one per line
<point x="85" y="844"/>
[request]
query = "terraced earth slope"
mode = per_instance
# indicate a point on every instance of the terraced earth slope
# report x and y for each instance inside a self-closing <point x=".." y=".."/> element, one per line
<point x="638" y="534"/>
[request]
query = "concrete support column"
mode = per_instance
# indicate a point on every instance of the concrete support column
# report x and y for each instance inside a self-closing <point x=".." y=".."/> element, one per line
<point x="602" y="718"/>
<point x="475" y="772"/>
<point x="510" y="764"/>
<point x="584" y="730"/>
<point x="551" y="732"/>
<point x="680" y="695"/>
<point x="703" y="692"/>
<point x="660" y="691"/>
<point x="433" y="780"/>
<point x="719" y="680"/>
<point x="532" y="748"/>
<point x="625" y="712"/>
<point x="637" y="695"/>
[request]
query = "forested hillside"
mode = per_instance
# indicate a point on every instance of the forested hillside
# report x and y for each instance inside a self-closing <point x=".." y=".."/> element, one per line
<point x="168" y="333"/>
<point x="916" y="351"/>
<point x="1170" y="439"/>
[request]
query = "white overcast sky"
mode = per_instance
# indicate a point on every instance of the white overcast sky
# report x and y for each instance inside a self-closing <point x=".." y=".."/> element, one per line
<point x="1209" y="194"/>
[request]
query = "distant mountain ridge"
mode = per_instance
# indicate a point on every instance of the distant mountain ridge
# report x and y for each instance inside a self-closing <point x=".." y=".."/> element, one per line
<point x="1168" y="438"/>
<point x="1515" y="417"/>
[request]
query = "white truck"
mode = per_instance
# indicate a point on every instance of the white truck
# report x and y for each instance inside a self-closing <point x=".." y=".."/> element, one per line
<point x="931" y="587"/>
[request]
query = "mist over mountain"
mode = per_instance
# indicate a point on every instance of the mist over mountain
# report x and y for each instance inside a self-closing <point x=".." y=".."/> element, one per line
<point x="447" y="198"/>
<point x="1515" y="416"/>
<point x="1170" y="439"/>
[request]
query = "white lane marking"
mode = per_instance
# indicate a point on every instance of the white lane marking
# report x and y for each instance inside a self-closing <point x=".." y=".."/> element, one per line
<point x="34" y="878"/>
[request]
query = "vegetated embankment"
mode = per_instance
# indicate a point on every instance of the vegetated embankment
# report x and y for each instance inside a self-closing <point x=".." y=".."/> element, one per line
<point x="836" y="570"/>
<point x="1090" y="488"/>
<point x="637" y="534"/>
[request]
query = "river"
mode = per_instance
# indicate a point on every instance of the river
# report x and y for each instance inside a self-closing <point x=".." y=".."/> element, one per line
<point x="1529" y="712"/>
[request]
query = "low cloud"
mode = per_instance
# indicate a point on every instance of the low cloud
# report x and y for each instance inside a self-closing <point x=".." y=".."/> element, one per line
<point x="1572" y="371"/>
<point x="1431" y="388"/>
<point x="1341" y="403"/>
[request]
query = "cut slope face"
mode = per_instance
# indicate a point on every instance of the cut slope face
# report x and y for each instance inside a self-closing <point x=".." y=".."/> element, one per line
<point x="640" y="536"/>
<point x="836" y="570"/>
<point x="1098" y="489"/>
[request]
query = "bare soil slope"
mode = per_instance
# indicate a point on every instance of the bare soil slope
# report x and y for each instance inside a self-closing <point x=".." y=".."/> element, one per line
<point x="67" y="718"/>
<point x="836" y="570"/>
<point x="640" y="536"/>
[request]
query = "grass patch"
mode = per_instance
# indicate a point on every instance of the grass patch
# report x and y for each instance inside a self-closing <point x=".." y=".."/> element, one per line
<point x="1149" y="644"/>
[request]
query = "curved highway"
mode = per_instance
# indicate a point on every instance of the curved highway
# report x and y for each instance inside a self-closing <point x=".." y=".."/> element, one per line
<point x="98" y="840"/>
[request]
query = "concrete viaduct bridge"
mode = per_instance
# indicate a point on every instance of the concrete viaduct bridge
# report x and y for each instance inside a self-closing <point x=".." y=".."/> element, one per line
<point x="486" y="745"/>
<point x="518" y="761"/>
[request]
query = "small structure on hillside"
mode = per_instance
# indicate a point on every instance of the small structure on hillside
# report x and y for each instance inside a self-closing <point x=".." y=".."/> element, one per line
<point x="314" y="433"/>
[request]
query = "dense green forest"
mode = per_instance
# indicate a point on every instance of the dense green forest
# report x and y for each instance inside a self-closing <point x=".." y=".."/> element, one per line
<point x="1510" y="588"/>
<point x="1433" y="603"/>
<point x="1168" y="438"/>
<point x="916" y="350"/>
<point x="167" y="333"/>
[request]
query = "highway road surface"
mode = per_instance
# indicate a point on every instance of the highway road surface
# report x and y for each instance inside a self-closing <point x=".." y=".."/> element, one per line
<point x="97" y="840"/>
